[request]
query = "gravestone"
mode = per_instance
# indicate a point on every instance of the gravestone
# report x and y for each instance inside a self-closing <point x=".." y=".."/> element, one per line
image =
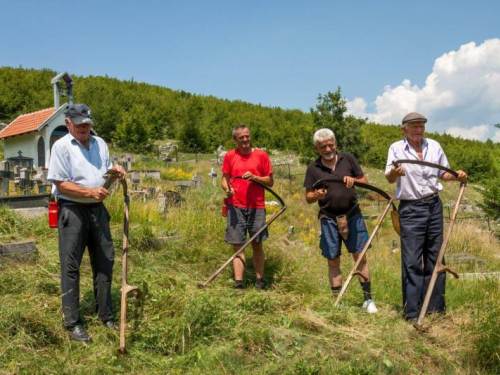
<point x="162" y="202"/>
<point x="4" y="178"/>
<point x="173" y="198"/>
<point x="213" y="174"/>
<point x="129" y="163"/>
<point x="151" y="192"/>
<point x="19" y="251"/>
<point x="23" y="181"/>
<point x="136" y="181"/>
<point x="394" y="248"/>
<point x="197" y="180"/>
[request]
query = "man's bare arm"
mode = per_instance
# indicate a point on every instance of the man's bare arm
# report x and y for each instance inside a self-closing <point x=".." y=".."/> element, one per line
<point x="74" y="190"/>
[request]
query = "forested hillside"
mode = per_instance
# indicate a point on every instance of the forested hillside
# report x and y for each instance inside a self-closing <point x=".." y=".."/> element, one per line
<point x="134" y="115"/>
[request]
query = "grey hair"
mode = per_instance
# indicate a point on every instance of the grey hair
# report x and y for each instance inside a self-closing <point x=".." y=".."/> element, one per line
<point x="322" y="135"/>
<point x="240" y="127"/>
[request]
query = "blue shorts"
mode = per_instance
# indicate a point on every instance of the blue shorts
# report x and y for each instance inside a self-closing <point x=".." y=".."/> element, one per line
<point x="331" y="240"/>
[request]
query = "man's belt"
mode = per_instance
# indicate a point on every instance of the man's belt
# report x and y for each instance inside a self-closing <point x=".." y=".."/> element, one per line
<point x="348" y="214"/>
<point x="426" y="198"/>
<point x="65" y="202"/>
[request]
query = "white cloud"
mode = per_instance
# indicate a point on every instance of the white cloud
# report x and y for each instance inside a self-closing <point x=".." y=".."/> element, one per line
<point x="496" y="137"/>
<point x="460" y="95"/>
<point x="479" y="132"/>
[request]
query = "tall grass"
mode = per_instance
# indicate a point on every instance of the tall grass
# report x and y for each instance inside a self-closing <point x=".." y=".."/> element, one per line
<point x="290" y="328"/>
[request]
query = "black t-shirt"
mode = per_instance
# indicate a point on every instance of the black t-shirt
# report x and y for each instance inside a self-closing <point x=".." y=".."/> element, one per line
<point x="339" y="199"/>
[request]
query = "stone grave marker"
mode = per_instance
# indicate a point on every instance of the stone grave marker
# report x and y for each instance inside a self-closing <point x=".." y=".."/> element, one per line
<point x="4" y="178"/>
<point x="18" y="251"/>
<point x="213" y="174"/>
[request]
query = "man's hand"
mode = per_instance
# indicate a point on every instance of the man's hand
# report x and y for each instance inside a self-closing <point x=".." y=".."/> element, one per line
<point x="248" y="176"/>
<point x="320" y="193"/>
<point x="398" y="171"/>
<point x="229" y="192"/>
<point x="121" y="171"/>
<point x="349" y="181"/>
<point x="462" y="176"/>
<point x="99" y="194"/>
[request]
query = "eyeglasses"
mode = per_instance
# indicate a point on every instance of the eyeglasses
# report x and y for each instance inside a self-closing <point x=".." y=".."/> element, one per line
<point x="74" y="112"/>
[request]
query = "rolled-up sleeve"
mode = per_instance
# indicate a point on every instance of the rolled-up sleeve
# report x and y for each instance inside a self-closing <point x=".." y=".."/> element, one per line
<point x="59" y="167"/>
<point x="390" y="158"/>
<point x="442" y="160"/>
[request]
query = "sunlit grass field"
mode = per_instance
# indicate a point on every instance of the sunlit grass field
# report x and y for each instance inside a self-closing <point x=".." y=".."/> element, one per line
<point x="291" y="328"/>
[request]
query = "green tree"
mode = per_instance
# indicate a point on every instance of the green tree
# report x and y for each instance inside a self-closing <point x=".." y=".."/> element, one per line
<point x="491" y="198"/>
<point x="190" y="136"/>
<point x="330" y="112"/>
<point x="132" y="131"/>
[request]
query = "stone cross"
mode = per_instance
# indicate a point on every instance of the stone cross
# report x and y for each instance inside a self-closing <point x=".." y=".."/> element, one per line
<point x="24" y="180"/>
<point x="128" y="160"/>
<point x="197" y="180"/>
<point x="213" y="174"/>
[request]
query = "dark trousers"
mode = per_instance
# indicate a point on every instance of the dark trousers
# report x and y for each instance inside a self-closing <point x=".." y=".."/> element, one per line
<point x="421" y="239"/>
<point x="82" y="226"/>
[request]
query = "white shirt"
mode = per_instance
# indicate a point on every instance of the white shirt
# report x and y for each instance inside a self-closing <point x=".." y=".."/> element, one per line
<point x="419" y="181"/>
<point x="71" y="161"/>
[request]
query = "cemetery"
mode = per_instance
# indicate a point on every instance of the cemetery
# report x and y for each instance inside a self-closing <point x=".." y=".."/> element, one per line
<point x="173" y="241"/>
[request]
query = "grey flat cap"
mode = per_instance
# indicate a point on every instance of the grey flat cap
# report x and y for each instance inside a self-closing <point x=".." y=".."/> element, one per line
<point x="413" y="116"/>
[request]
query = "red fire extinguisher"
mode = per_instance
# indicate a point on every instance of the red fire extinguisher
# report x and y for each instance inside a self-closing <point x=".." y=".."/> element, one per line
<point x="224" y="207"/>
<point x="53" y="214"/>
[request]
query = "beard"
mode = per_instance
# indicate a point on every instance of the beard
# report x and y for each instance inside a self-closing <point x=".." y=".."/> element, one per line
<point x="329" y="157"/>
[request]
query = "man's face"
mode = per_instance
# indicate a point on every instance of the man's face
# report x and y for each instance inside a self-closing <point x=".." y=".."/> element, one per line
<point x="414" y="130"/>
<point x="326" y="149"/>
<point x="80" y="132"/>
<point x="242" y="138"/>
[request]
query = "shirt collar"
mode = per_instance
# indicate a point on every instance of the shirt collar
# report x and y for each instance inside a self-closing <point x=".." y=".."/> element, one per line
<point x="320" y="164"/>
<point x="407" y="144"/>
<point x="73" y="140"/>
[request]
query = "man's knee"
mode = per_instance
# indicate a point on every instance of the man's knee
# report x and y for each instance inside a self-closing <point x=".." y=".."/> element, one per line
<point x="334" y="264"/>
<point x="357" y="256"/>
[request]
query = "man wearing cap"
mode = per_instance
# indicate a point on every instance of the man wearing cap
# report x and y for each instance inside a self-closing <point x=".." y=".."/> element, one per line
<point x="77" y="166"/>
<point x="340" y="215"/>
<point x="420" y="213"/>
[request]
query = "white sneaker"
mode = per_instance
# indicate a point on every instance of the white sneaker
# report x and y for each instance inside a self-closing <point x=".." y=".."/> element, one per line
<point x="369" y="305"/>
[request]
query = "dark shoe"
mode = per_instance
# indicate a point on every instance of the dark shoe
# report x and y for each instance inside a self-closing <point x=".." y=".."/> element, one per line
<point x="239" y="285"/>
<point x="260" y="284"/>
<point x="111" y="325"/>
<point x="413" y="322"/>
<point x="77" y="333"/>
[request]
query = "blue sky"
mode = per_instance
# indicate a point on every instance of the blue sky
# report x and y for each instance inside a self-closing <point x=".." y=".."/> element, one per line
<point x="277" y="53"/>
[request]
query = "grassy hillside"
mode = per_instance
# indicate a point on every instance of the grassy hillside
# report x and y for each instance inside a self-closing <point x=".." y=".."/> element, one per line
<point x="290" y="328"/>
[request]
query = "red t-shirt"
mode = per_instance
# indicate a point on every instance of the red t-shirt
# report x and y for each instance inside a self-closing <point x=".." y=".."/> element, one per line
<point x="246" y="193"/>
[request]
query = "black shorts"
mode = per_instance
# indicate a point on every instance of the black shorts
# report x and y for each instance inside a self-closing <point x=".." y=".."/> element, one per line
<point x="242" y="220"/>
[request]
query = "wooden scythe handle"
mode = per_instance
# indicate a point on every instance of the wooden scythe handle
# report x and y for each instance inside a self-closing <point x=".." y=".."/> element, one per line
<point x="363" y="252"/>
<point x="112" y="177"/>
<point x="439" y="267"/>
<point x="240" y="250"/>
